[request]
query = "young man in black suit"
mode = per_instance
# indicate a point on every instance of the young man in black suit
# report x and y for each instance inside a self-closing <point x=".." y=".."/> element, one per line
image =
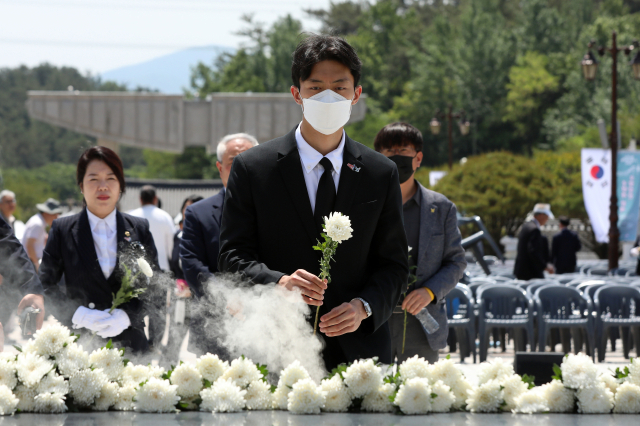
<point x="278" y="193"/>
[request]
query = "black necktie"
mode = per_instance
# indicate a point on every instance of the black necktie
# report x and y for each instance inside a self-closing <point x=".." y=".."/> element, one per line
<point x="326" y="195"/>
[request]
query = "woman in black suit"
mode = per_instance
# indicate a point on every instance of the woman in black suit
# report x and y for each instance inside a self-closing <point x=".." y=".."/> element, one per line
<point x="88" y="248"/>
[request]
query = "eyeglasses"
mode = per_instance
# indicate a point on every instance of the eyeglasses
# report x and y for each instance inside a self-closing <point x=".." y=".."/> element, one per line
<point x="9" y="201"/>
<point x="405" y="150"/>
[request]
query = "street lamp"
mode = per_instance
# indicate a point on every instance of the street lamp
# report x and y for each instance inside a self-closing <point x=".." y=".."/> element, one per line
<point x="589" y="67"/>
<point x="464" y="126"/>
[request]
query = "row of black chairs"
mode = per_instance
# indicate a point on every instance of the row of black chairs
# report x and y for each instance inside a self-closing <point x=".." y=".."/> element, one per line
<point x="589" y="311"/>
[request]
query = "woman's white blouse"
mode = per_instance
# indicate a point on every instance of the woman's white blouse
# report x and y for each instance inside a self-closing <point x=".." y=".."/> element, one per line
<point x="105" y="240"/>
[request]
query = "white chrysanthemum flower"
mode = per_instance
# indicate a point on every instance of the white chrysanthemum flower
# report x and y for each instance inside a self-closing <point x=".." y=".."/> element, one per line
<point x="378" y="401"/>
<point x="31" y="368"/>
<point x="108" y="397"/>
<point x="558" y="397"/>
<point x="136" y="374"/>
<point x="156" y="396"/>
<point x="610" y="382"/>
<point x="414" y="396"/>
<point x="188" y="379"/>
<point x="338" y="227"/>
<point x="52" y="383"/>
<point x="85" y="385"/>
<point x="27" y="398"/>
<point x="258" y="396"/>
<point x="211" y="367"/>
<point x="72" y="358"/>
<point x="50" y="340"/>
<point x="338" y="399"/>
<point x="460" y="389"/>
<point x="306" y="398"/>
<point x="578" y="371"/>
<point x="486" y="398"/>
<point x="595" y="399"/>
<point x="497" y="370"/>
<point x="8" y="401"/>
<point x="634" y="367"/>
<point x="513" y="388"/>
<point x="7" y="357"/>
<point x="242" y="371"/>
<point x="8" y="376"/>
<point x="627" y="399"/>
<point x="109" y="360"/>
<point x="280" y="397"/>
<point x="444" y="399"/>
<point x="291" y="374"/>
<point x="362" y="377"/>
<point x="414" y="367"/>
<point x="125" y="398"/>
<point x="145" y="268"/>
<point x="50" y="403"/>
<point x="531" y="402"/>
<point x="223" y="397"/>
<point x="446" y="371"/>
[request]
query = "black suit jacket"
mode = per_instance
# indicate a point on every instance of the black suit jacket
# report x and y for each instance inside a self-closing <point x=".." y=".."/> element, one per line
<point x="19" y="277"/>
<point x="564" y="247"/>
<point x="531" y="259"/>
<point x="268" y="231"/>
<point x="70" y="251"/>
<point x="200" y="244"/>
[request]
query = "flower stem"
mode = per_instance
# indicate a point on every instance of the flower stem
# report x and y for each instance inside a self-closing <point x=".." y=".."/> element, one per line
<point x="315" y="325"/>
<point x="404" y="332"/>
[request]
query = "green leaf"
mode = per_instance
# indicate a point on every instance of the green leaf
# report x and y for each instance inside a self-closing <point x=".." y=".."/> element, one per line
<point x="109" y="344"/>
<point x="182" y="405"/>
<point x="273" y="388"/>
<point x="529" y="380"/>
<point x="622" y="374"/>
<point x="206" y="384"/>
<point x="557" y="372"/>
<point x="434" y="395"/>
<point x="448" y="356"/>
<point x="264" y="371"/>
<point x="65" y="345"/>
<point x="18" y="348"/>
<point x="338" y="370"/>
<point x="125" y="362"/>
<point x="503" y="403"/>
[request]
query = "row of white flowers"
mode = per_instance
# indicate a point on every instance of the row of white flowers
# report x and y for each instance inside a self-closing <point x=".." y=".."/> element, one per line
<point x="53" y="374"/>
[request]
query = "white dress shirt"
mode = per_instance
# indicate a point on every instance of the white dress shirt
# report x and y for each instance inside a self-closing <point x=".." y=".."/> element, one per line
<point x="162" y="229"/>
<point x="36" y="228"/>
<point x="105" y="240"/>
<point x="313" y="170"/>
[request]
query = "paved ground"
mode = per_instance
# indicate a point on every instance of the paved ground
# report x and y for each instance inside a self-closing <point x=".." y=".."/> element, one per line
<point x="280" y="418"/>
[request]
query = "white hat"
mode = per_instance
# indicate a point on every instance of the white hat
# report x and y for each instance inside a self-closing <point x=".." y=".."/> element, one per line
<point x="544" y="209"/>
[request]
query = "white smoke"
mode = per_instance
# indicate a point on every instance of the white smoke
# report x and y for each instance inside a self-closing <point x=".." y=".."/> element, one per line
<point x="265" y="323"/>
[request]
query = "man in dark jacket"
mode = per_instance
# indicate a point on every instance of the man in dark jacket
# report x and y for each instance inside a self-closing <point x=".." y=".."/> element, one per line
<point x="531" y="259"/>
<point x="200" y="244"/>
<point x="564" y="248"/>
<point x="279" y="192"/>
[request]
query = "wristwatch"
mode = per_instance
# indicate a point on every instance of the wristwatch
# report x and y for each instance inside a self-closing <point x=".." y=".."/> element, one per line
<point x="367" y="308"/>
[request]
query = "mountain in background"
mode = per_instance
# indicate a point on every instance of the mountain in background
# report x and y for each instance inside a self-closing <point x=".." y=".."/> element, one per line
<point x="170" y="73"/>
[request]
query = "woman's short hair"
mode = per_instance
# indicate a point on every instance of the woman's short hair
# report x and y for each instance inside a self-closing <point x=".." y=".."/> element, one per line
<point x="398" y="134"/>
<point x="318" y="48"/>
<point x="107" y="156"/>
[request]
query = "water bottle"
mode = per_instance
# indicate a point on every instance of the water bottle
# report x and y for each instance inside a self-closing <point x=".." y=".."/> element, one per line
<point x="428" y="321"/>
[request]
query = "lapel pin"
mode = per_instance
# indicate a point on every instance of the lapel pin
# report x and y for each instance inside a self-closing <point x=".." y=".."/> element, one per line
<point x="127" y="236"/>
<point x="433" y="210"/>
<point x="353" y="167"/>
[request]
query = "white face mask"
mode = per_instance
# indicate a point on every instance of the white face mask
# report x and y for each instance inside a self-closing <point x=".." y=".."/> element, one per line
<point x="327" y="111"/>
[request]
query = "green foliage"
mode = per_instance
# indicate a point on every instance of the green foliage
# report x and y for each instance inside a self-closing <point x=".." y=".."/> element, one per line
<point x="557" y="372"/>
<point x="340" y="369"/>
<point x="264" y="371"/>
<point x="622" y="373"/>
<point x="126" y="292"/>
<point x="529" y="380"/>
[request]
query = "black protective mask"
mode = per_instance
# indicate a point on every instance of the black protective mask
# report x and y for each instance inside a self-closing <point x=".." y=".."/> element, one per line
<point x="405" y="166"/>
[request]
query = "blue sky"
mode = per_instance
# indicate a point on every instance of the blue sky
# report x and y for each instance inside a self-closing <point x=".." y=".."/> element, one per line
<point x="100" y="35"/>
